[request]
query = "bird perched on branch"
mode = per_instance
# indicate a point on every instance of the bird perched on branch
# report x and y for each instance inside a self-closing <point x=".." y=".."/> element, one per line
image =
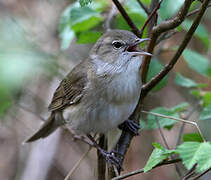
<point x="101" y="92"/>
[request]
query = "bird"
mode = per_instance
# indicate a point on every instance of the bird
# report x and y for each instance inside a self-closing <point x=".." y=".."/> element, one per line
<point x="101" y="92"/>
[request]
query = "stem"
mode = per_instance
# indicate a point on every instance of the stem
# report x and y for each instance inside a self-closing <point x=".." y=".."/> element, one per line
<point x="139" y="171"/>
<point x="127" y="18"/>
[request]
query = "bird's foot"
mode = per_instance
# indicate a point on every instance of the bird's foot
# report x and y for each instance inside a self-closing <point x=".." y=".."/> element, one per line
<point x="110" y="158"/>
<point x="131" y="126"/>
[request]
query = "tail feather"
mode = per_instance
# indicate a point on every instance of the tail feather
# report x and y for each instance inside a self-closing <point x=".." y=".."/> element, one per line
<point x="47" y="128"/>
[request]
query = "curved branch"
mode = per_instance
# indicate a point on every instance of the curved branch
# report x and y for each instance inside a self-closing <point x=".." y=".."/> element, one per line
<point x="139" y="171"/>
<point x="126" y="137"/>
<point x="163" y="27"/>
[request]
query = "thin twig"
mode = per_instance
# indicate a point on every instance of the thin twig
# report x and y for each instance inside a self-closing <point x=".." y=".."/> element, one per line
<point x="177" y="119"/>
<point x="201" y="174"/>
<point x="196" y="11"/>
<point x="30" y="111"/>
<point x="145" y="8"/>
<point x="157" y="30"/>
<point x="161" y="133"/>
<point x="181" y="48"/>
<point x="150" y="17"/>
<point x="139" y="171"/>
<point x="127" y="18"/>
<point x="189" y="173"/>
<point x="77" y="164"/>
<point x="187" y="116"/>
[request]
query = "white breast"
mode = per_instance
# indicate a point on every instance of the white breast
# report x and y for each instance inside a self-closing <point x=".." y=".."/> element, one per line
<point x="109" y="107"/>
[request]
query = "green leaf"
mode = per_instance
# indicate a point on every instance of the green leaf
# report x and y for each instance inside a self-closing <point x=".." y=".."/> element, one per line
<point x="82" y="19"/>
<point x="154" y="68"/>
<point x="77" y="19"/>
<point x="137" y="14"/>
<point x="206" y="99"/>
<point x="170" y="8"/>
<point x="89" y="37"/>
<point x="186" y="82"/>
<point x="132" y="6"/>
<point x="195" y="153"/>
<point x="164" y="122"/>
<point x="201" y="32"/>
<point x="159" y="154"/>
<point x="84" y="2"/>
<point x="196" y="93"/>
<point x="66" y="36"/>
<point x="197" y="62"/>
<point x="180" y="107"/>
<point x="206" y="113"/>
<point x="4" y="105"/>
<point x="196" y="137"/>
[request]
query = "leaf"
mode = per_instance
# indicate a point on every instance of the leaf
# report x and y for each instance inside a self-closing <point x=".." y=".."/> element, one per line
<point x="206" y="99"/>
<point x="201" y="32"/>
<point x="196" y="93"/>
<point x="84" y="18"/>
<point x="84" y="2"/>
<point x="206" y="113"/>
<point x="196" y="137"/>
<point x="137" y="14"/>
<point x="197" y="62"/>
<point x="164" y="122"/>
<point x="186" y="82"/>
<point x="159" y="154"/>
<point x="66" y="36"/>
<point x="89" y="37"/>
<point x="170" y="8"/>
<point x="180" y="107"/>
<point x="132" y="6"/>
<point x="195" y="153"/>
<point x="77" y="19"/>
<point x="154" y="68"/>
<point x="4" y="105"/>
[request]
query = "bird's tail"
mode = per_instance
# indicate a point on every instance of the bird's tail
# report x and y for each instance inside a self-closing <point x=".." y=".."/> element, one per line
<point x="47" y="128"/>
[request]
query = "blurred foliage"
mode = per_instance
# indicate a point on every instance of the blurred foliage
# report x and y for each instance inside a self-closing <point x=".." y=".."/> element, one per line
<point x="154" y="68"/>
<point x="163" y="122"/>
<point x="20" y="60"/>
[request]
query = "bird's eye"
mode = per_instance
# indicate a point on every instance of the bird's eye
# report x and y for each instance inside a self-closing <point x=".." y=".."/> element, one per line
<point x="117" y="44"/>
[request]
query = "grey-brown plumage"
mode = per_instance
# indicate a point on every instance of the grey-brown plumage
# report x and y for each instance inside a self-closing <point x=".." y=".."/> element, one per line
<point x="100" y="92"/>
<point x="68" y="93"/>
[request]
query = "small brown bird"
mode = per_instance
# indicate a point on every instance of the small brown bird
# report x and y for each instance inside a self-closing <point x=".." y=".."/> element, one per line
<point x="100" y="92"/>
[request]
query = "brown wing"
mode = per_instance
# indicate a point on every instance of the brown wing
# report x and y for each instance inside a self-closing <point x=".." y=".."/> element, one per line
<point x="70" y="90"/>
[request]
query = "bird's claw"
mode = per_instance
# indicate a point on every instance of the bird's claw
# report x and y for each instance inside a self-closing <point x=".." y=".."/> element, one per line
<point x="111" y="159"/>
<point x="131" y="126"/>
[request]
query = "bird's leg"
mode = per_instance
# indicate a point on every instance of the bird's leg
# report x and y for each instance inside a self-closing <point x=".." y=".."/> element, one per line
<point x="131" y="126"/>
<point x="109" y="156"/>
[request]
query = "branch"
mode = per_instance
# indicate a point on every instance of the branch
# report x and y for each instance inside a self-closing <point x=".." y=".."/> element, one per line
<point x="139" y="171"/>
<point x="196" y="11"/>
<point x="163" y="27"/>
<point x="150" y="17"/>
<point x="201" y="174"/>
<point x="143" y="7"/>
<point x="126" y="137"/>
<point x="181" y="48"/>
<point x="127" y="18"/>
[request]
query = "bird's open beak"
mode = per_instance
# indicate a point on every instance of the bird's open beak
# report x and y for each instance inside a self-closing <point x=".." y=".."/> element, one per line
<point x="134" y="48"/>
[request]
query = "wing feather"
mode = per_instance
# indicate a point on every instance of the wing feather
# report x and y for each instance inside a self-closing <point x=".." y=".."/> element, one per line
<point x="70" y="90"/>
